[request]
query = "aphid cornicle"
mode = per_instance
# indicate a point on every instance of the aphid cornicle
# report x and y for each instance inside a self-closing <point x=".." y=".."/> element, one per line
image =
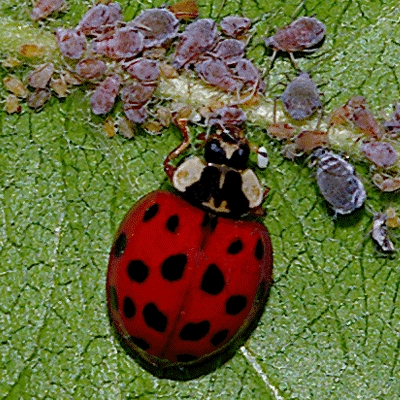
<point x="338" y="183"/>
<point x="187" y="279"/>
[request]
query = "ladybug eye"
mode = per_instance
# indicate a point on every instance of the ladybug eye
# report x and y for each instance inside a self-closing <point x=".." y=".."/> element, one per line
<point x="214" y="153"/>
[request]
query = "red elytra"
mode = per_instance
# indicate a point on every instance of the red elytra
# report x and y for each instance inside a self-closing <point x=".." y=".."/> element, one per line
<point x="186" y="288"/>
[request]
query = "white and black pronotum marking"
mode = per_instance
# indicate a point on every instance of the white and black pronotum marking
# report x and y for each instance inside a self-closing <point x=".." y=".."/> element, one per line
<point x="338" y="183"/>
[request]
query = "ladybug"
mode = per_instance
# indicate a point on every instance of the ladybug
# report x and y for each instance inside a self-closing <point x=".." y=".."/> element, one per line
<point x="187" y="279"/>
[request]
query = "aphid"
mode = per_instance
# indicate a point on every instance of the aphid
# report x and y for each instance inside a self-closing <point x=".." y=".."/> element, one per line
<point x="31" y="50"/>
<point x="43" y="8"/>
<point x="167" y="71"/>
<point x="109" y="127"/>
<point x="386" y="184"/>
<point x="362" y="117"/>
<point x="392" y="219"/>
<point x="301" y="35"/>
<point x="281" y="130"/>
<point x="12" y="104"/>
<point x="229" y="50"/>
<point x="71" y="43"/>
<point x="249" y="74"/>
<point x="40" y="77"/>
<point x="338" y="183"/>
<point x="11" y="62"/>
<point x="91" y="68"/>
<point x="301" y="98"/>
<point x="164" y="115"/>
<point x="227" y="116"/>
<point x="380" y="233"/>
<point x="144" y="70"/>
<point x="157" y="26"/>
<point x="185" y="284"/>
<point x="152" y="127"/>
<point x="380" y="153"/>
<point x="136" y="94"/>
<point x="99" y="17"/>
<point x="38" y="98"/>
<point x="135" y="114"/>
<point x="60" y="87"/>
<point x="15" y="86"/>
<point x="125" y="128"/>
<point x="235" y="26"/>
<point x="185" y="9"/>
<point x="393" y="125"/>
<point x="310" y="140"/>
<point x="103" y="98"/>
<point x="290" y="151"/>
<point x="190" y="48"/>
<point x="216" y="73"/>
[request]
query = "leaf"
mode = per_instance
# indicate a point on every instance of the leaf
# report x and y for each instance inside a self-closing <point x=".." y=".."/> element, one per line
<point x="331" y="325"/>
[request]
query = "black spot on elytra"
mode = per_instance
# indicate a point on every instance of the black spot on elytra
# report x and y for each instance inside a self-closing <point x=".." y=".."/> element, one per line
<point x="140" y="343"/>
<point x="235" y="304"/>
<point x="113" y="298"/>
<point x="129" y="307"/>
<point x="219" y="337"/>
<point x="195" y="331"/>
<point x="173" y="223"/>
<point x="213" y="281"/>
<point x="120" y="245"/>
<point x="150" y="212"/>
<point x="154" y="318"/>
<point x="259" y="251"/>
<point x="186" y="357"/>
<point x="173" y="267"/>
<point x="235" y="247"/>
<point x="138" y="271"/>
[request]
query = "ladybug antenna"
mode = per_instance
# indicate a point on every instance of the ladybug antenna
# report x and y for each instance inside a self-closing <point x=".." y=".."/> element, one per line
<point x="182" y="124"/>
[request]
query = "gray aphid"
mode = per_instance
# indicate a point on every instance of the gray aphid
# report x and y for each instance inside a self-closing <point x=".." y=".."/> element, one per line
<point x="301" y="97"/>
<point x="338" y="183"/>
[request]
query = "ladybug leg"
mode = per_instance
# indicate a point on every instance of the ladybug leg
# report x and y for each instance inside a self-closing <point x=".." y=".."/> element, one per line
<point x="168" y="167"/>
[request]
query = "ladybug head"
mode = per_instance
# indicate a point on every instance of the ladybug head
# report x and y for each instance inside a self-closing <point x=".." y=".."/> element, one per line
<point x="220" y="180"/>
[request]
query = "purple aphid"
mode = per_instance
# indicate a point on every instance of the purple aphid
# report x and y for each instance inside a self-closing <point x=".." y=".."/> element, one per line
<point x="91" y="68"/>
<point x="216" y="73"/>
<point x="43" y="8"/>
<point x="40" y="77"/>
<point x="301" y="97"/>
<point x="99" y="17"/>
<point x="123" y="43"/>
<point x="230" y="50"/>
<point x="199" y="36"/>
<point x="71" y="43"/>
<point x="249" y="74"/>
<point x="38" y="98"/>
<point x="338" y="183"/>
<point x="235" y="26"/>
<point x="380" y="153"/>
<point x="144" y="70"/>
<point x="393" y="125"/>
<point x="136" y="94"/>
<point x="302" y="34"/>
<point x="135" y="114"/>
<point x="157" y="26"/>
<point x="227" y="116"/>
<point x="103" y="98"/>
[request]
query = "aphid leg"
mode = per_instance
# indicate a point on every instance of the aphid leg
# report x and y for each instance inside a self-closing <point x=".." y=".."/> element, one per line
<point x="294" y="62"/>
<point x="275" y="100"/>
<point x="168" y="167"/>
<point x="248" y="97"/>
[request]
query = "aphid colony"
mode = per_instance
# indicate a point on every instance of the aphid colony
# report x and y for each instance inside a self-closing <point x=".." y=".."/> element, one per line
<point x="128" y="59"/>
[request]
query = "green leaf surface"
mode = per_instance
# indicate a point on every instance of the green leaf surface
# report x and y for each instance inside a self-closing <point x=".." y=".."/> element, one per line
<point x="331" y="328"/>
